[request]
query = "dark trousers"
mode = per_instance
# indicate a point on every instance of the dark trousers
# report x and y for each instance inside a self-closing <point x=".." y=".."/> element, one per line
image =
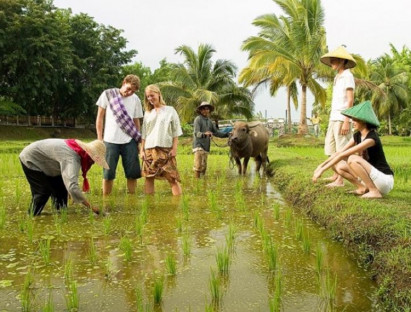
<point x="42" y="187"/>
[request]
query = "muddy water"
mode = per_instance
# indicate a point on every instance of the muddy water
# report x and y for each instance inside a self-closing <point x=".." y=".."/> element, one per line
<point x="109" y="280"/>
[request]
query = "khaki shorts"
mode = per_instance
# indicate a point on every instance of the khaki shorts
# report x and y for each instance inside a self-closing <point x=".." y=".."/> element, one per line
<point x="200" y="160"/>
<point x="334" y="141"/>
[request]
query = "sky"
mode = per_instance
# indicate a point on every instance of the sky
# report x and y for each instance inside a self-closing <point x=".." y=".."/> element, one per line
<point x="155" y="28"/>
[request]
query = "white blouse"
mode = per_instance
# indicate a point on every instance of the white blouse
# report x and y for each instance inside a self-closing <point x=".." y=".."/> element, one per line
<point x="160" y="127"/>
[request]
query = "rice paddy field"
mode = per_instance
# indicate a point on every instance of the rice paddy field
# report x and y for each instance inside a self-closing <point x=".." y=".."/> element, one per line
<point x="229" y="243"/>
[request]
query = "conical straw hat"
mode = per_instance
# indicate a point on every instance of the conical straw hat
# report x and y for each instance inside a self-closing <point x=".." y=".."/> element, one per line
<point x="96" y="150"/>
<point x="340" y="53"/>
<point x="363" y="112"/>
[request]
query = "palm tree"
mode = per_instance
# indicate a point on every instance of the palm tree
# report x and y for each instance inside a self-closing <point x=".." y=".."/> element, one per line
<point x="295" y="41"/>
<point x="275" y="77"/>
<point x="199" y="79"/>
<point x="392" y="80"/>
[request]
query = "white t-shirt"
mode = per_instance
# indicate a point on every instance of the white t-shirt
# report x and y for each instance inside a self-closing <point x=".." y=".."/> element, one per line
<point x="339" y="101"/>
<point x="160" y="127"/>
<point x="112" y="132"/>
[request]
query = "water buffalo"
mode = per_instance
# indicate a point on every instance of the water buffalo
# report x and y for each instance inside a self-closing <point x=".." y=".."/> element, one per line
<point x="249" y="139"/>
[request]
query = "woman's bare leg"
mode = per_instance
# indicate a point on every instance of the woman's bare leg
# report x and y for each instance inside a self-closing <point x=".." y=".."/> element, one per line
<point x="176" y="188"/>
<point x="149" y="186"/>
<point x="361" y="168"/>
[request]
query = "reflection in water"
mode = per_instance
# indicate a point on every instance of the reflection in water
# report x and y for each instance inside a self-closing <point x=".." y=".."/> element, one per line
<point x="192" y="229"/>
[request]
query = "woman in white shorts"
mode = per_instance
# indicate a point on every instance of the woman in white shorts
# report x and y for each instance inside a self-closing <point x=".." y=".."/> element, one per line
<point x="362" y="161"/>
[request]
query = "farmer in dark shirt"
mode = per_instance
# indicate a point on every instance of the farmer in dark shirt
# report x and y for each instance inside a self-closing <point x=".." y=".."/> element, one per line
<point x="204" y="129"/>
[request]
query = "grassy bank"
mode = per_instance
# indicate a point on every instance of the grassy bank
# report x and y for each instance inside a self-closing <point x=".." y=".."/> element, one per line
<point x="377" y="232"/>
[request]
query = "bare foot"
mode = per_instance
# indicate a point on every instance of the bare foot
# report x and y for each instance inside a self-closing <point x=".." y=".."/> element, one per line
<point x="372" y="195"/>
<point x="359" y="191"/>
<point x="330" y="179"/>
<point x="334" y="184"/>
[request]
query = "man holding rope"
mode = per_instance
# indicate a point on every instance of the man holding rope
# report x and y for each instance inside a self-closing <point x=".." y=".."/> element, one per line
<point x="204" y="129"/>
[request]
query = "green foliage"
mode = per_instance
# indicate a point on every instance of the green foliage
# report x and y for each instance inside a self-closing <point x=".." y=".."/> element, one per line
<point x="54" y="62"/>
<point x="198" y="79"/>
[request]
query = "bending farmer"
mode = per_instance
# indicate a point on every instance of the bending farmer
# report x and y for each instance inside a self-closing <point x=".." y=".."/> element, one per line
<point x="52" y="168"/>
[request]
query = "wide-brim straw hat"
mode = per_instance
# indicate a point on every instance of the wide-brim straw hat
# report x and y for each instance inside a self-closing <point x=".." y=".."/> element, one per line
<point x="204" y="104"/>
<point x="363" y="112"/>
<point x="340" y="53"/>
<point x="96" y="150"/>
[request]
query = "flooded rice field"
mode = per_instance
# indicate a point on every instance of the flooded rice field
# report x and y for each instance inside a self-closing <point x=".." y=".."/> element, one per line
<point x="228" y="244"/>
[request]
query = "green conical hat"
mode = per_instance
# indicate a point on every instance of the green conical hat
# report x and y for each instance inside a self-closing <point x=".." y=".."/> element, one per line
<point x="363" y="112"/>
<point x="340" y="53"/>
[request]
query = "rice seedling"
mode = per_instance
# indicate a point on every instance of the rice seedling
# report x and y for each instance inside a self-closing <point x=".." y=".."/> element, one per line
<point x="179" y="225"/>
<point x="63" y="213"/>
<point x="239" y="200"/>
<point x="144" y="211"/>
<point x="21" y="224"/>
<point x="126" y="247"/>
<point x="328" y="287"/>
<point x="139" y="227"/>
<point x="212" y="202"/>
<point x="272" y="256"/>
<point x="139" y="298"/>
<point x="319" y="259"/>
<point x="185" y="207"/>
<point x="25" y="294"/>
<point x="186" y="244"/>
<point x="258" y="222"/>
<point x="262" y="199"/>
<point x="44" y="249"/>
<point x="299" y="230"/>
<point x="18" y="192"/>
<point x="92" y="252"/>
<point x="2" y="216"/>
<point x="29" y="228"/>
<point x="306" y="243"/>
<point x="158" y="289"/>
<point x="275" y="302"/>
<point x="48" y="305"/>
<point x="215" y="288"/>
<point x="107" y="221"/>
<point x="171" y="264"/>
<point x="108" y="269"/>
<point x="72" y="297"/>
<point x="276" y="208"/>
<point x="68" y="270"/>
<point x="222" y="258"/>
<point x="230" y="237"/>
<point x="288" y="218"/>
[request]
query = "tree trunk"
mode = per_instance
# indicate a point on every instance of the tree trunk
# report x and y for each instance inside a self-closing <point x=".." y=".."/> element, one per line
<point x="289" y="109"/>
<point x="303" y="128"/>
<point x="389" y="124"/>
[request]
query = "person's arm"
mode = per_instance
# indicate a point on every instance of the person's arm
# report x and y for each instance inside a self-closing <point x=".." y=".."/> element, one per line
<point x="350" y="102"/>
<point x="173" y="151"/>
<point x="137" y="123"/>
<point x="337" y="157"/>
<point x="69" y="174"/>
<point x="142" y="154"/>
<point x="99" y="123"/>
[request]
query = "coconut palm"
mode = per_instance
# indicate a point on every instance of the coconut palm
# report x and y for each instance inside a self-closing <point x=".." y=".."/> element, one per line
<point x="274" y="78"/>
<point x="198" y="79"/>
<point x="296" y="41"/>
<point x="392" y="80"/>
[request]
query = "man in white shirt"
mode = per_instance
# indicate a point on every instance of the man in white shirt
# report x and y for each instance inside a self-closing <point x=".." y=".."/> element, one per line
<point x="118" y="141"/>
<point x="339" y="128"/>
